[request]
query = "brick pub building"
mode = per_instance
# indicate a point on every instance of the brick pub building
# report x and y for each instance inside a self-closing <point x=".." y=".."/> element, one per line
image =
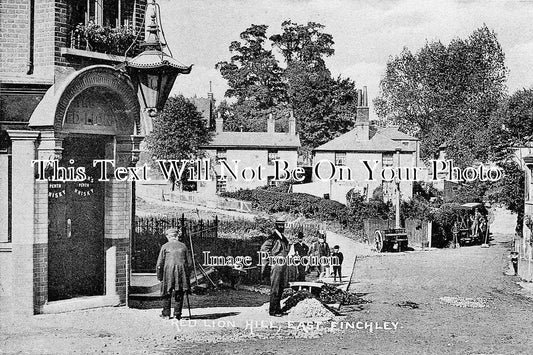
<point x="64" y="245"/>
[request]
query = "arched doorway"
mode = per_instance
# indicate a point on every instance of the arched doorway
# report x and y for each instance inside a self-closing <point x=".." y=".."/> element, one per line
<point x="89" y="216"/>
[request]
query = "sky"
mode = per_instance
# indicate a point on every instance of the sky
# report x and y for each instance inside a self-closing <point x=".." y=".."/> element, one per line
<point x="366" y="33"/>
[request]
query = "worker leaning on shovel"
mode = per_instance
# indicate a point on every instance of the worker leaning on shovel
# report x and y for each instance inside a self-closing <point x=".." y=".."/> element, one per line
<point x="173" y="269"/>
<point x="276" y="245"/>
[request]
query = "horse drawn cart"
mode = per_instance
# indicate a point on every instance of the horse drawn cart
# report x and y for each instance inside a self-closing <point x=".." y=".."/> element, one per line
<point x="394" y="239"/>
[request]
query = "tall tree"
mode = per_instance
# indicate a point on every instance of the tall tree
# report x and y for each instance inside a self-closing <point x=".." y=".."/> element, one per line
<point x="323" y="106"/>
<point x="253" y="73"/>
<point x="304" y="43"/>
<point x="511" y="127"/>
<point x="446" y="94"/>
<point x="178" y="132"/>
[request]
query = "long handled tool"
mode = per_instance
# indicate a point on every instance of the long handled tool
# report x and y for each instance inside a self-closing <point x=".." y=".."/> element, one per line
<point x="193" y="260"/>
<point x="188" y="304"/>
<point x="349" y="281"/>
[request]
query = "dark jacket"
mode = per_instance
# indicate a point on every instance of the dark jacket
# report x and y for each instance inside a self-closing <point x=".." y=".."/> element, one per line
<point x="319" y="249"/>
<point x="276" y="246"/>
<point x="338" y="255"/>
<point x="173" y="267"/>
<point x="301" y="249"/>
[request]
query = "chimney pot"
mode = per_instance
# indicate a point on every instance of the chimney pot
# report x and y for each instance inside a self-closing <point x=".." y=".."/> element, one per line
<point x="219" y="123"/>
<point x="292" y="123"/>
<point x="270" y="124"/>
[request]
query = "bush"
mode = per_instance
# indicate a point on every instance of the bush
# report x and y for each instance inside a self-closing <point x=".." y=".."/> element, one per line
<point x="246" y="228"/>
<point x="417" y="208"/>
<point x="273" y="201"/>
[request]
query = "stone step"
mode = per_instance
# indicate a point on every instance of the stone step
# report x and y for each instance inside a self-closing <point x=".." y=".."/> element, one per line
<point x="145" y="300"/>
<point x="144" y="283"/>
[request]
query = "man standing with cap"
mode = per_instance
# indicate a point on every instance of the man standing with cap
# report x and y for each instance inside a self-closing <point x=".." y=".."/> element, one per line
<point x="301" y="249"/>
<point x="276" y="246"/>
<point x="173" y="269"/>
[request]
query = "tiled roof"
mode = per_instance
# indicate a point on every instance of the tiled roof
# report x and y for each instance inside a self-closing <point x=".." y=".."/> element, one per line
<point x="247" y="140"/>
<point x="394" y="134"/>
<point x="379" y="142"/>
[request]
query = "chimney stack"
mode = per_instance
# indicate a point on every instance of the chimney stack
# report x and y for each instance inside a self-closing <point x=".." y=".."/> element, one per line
<point x="362" y="119"/>
<point x="292" y="123"/>
<point x="270" y="124"/>
<point x="219" y="124"/>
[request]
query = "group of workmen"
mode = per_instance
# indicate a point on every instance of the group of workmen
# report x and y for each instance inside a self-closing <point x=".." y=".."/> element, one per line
<point x="175" y="262"/>
<point x="277" y="245"/>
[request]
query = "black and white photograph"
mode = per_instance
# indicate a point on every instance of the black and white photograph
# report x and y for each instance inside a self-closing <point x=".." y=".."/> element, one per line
<point x="266" y="177"/>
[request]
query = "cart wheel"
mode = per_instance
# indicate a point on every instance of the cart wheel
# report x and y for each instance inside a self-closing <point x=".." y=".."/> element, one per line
<point x="378" y="240"/>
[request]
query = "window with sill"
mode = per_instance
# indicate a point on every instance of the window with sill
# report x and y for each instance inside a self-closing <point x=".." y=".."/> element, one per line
<point x="222" y="154"/>
<point x="272" y="155"/>
<point x="387" y="159"/>
<point x="340" y="159"/>
<point x="103" y="26"/>
<point x="108" y="13"/>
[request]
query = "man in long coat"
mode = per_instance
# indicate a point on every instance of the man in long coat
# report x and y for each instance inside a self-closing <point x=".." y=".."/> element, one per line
<point x="173" y="270"/>
<point x="301" y="249"/>
<point x="276" y="245"/>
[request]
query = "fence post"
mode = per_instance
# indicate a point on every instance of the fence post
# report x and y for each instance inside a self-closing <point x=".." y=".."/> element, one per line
<point x="430" y="225"/>
<point x="216" y="226"/>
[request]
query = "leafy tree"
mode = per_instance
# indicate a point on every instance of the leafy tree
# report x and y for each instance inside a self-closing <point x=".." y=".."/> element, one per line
<point x="253" y="73"/>
<point x="446" y="94"/>
<point x="178" y="132"/>
<point x="247" y="117"/>
<point x="323" y="106"/>
<point x="304" y="43"/>
<point x="512" y="126"/>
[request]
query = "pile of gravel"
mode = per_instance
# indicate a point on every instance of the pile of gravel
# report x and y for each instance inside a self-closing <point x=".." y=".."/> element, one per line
<point x="465" y="302"/>
<point x="310" y="308"/>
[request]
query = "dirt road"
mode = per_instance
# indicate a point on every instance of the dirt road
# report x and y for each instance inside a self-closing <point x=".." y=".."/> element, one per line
<point x="504" y="326"/>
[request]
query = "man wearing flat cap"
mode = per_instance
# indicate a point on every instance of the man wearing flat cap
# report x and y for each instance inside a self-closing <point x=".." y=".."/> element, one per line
<point x="173" y="270"/>
<point x="276" y="245"/>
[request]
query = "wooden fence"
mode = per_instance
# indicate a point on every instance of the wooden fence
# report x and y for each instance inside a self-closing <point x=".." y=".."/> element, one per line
<point x="149" y="236"/>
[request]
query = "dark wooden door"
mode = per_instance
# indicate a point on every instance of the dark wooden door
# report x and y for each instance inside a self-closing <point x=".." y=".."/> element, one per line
<point x="76" y="260"/>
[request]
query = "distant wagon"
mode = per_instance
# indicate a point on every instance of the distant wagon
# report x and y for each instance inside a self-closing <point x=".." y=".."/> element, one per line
<point x="394" y="239"/>
<point x="471" y="224"/>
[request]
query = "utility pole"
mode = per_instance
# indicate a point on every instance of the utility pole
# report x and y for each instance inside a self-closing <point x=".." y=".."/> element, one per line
<point x="397" y="183"/>
<point x="398" y="199"/>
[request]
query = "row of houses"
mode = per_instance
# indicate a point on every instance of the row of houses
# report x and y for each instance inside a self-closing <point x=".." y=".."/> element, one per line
<point x="367" y="141"/>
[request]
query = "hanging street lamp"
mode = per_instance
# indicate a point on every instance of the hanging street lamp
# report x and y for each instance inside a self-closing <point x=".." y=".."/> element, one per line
<point x="153" y="71"/>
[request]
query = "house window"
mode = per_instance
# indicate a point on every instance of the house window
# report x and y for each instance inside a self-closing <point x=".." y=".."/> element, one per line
<point x="101" y="12"/>
<point x="221" y="184"/>
<point x="222" y="154"/>
<point x="340" y="159"/>
<point x="272" y="155"/>
<point x="387" y="159"/>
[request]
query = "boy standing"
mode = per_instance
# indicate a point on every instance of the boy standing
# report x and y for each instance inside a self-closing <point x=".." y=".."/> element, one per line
<point x="337" y="269"/>
<point x="514" y="261"/>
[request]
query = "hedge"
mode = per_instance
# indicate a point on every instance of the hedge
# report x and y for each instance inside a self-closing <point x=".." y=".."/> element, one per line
<point x="271" y="200"/>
